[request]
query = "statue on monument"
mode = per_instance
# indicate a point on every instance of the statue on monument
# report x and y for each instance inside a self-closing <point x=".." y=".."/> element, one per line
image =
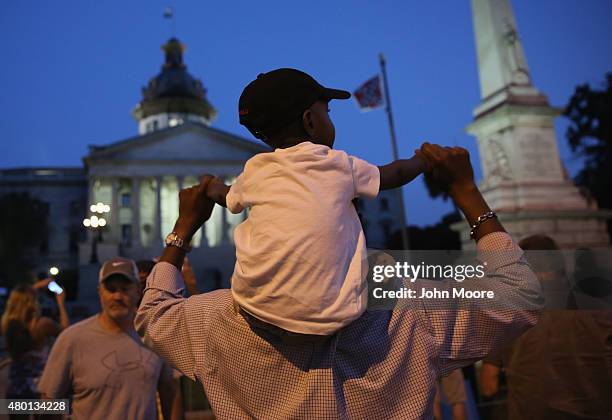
<point x="514" y="54"/>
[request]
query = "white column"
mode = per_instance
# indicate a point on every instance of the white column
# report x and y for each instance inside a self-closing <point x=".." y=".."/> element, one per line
<point x="114" y="222"/>
<point x="204" y="239"/>
<point x="158" y="226"/>
<point x="90" y="200"/>
<point x="135" y="202"/>
<point x="90" y="193"/>
<point x="225" y="226"/>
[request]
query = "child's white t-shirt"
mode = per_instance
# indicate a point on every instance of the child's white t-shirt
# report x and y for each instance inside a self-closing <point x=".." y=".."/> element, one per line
<point x="301" y="257"/>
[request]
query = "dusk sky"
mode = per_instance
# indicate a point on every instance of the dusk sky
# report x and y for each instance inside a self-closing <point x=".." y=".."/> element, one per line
<point x="72" y="71"/>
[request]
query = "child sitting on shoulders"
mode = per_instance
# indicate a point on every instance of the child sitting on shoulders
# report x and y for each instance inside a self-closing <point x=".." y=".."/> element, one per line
<point x="301" y="257"/>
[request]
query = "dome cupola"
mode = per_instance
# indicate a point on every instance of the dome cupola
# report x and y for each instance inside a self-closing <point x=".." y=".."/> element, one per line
<point x="174" y="96"/>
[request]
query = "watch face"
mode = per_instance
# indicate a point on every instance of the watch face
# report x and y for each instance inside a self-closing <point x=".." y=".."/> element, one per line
<point x="174" y="240"/>
<point x="170" y="239"/>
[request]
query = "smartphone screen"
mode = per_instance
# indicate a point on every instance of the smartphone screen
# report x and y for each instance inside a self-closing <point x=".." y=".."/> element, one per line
<point x="55" y="288"/>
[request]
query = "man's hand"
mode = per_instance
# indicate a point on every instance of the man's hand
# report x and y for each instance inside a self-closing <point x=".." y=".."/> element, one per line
<point x="194" y="209"/>
<point x="452" y="171"/>
<point x="450" y="167"/>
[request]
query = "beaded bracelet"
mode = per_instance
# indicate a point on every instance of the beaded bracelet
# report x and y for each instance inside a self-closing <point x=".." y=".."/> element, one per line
<point x="488" y="215"/>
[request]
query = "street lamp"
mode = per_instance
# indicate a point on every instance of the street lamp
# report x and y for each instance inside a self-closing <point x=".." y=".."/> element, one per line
<point x="96" y="224"/>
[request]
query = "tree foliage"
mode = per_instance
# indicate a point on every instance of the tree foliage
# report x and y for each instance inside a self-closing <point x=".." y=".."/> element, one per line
<point x="590" y="136"/>
<point x="23" y="229"/>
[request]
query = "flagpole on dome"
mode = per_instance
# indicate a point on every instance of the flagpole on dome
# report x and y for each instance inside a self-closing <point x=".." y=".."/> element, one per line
<point x="169" y="14"/>
<point x="383" y="68"/>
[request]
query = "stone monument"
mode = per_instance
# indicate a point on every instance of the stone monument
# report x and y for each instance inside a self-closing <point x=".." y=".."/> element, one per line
<point x="524" y="180"/>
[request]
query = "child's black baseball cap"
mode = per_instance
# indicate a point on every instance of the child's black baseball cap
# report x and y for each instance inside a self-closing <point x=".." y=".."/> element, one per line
<point x="277" y="98"/>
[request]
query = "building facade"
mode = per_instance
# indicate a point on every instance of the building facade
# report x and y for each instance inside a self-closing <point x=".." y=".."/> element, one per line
<point x="63" y="193"/>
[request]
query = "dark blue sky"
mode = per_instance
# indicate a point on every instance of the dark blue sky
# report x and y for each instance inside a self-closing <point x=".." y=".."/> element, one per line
<point x="73" y="70"/>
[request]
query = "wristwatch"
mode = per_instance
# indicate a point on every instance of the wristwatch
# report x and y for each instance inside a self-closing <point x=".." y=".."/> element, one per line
<point x="174" y="240"/>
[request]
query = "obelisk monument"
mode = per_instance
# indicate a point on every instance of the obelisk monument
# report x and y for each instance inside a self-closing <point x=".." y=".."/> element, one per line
<point x="523" y="178"/>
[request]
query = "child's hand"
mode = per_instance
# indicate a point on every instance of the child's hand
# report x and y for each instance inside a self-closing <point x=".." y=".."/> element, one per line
<point x="426" y="164"/>
<point x="451" y="167"/>
<point x="216" y="190"/>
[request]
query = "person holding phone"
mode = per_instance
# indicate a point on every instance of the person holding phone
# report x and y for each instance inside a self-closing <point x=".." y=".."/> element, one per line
<point x="29" y="336"/>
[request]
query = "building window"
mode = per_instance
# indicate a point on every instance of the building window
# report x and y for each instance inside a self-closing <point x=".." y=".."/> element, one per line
<point x="126" y="235"/>
<point x="125" y="200"/>
<point x="384" y="204"/>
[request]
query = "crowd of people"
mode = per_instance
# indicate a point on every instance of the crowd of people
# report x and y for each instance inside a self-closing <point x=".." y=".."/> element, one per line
<point x="293" y="337"/>
<point x="563" y="361"/>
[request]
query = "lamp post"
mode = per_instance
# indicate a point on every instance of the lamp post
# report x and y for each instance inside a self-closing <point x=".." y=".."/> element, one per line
<point x="96" y="224"/>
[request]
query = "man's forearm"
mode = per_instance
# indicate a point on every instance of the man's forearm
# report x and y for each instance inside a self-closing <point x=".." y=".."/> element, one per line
<point x="401" y="172"/>
<point x="471" y="202"/>
<point x="175" y="255"/>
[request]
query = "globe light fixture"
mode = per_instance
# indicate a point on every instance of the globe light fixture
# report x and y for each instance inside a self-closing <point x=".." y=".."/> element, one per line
<point x="96" y="222"/>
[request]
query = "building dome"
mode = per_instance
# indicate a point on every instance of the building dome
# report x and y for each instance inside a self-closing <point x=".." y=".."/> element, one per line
<point x="173" y="95"/>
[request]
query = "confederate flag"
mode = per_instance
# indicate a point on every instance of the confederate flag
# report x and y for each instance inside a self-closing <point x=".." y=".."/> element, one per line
<point x="369" y="95"/>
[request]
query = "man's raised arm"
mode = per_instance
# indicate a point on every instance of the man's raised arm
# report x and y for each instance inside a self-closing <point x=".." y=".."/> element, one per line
<point x="162" y="317"/>
<point x="466" y="332"/>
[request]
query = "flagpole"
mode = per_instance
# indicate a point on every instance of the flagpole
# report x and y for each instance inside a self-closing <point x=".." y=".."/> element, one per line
<point x="383" y="68"/>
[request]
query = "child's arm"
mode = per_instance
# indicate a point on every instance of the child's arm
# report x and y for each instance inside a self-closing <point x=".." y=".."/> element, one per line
<point x="217" y="191"/>
<point x="401" y="171"/>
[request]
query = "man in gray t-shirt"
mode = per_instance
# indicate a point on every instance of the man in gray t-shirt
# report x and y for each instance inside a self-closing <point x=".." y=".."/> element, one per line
<point x="101" y="364"/>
